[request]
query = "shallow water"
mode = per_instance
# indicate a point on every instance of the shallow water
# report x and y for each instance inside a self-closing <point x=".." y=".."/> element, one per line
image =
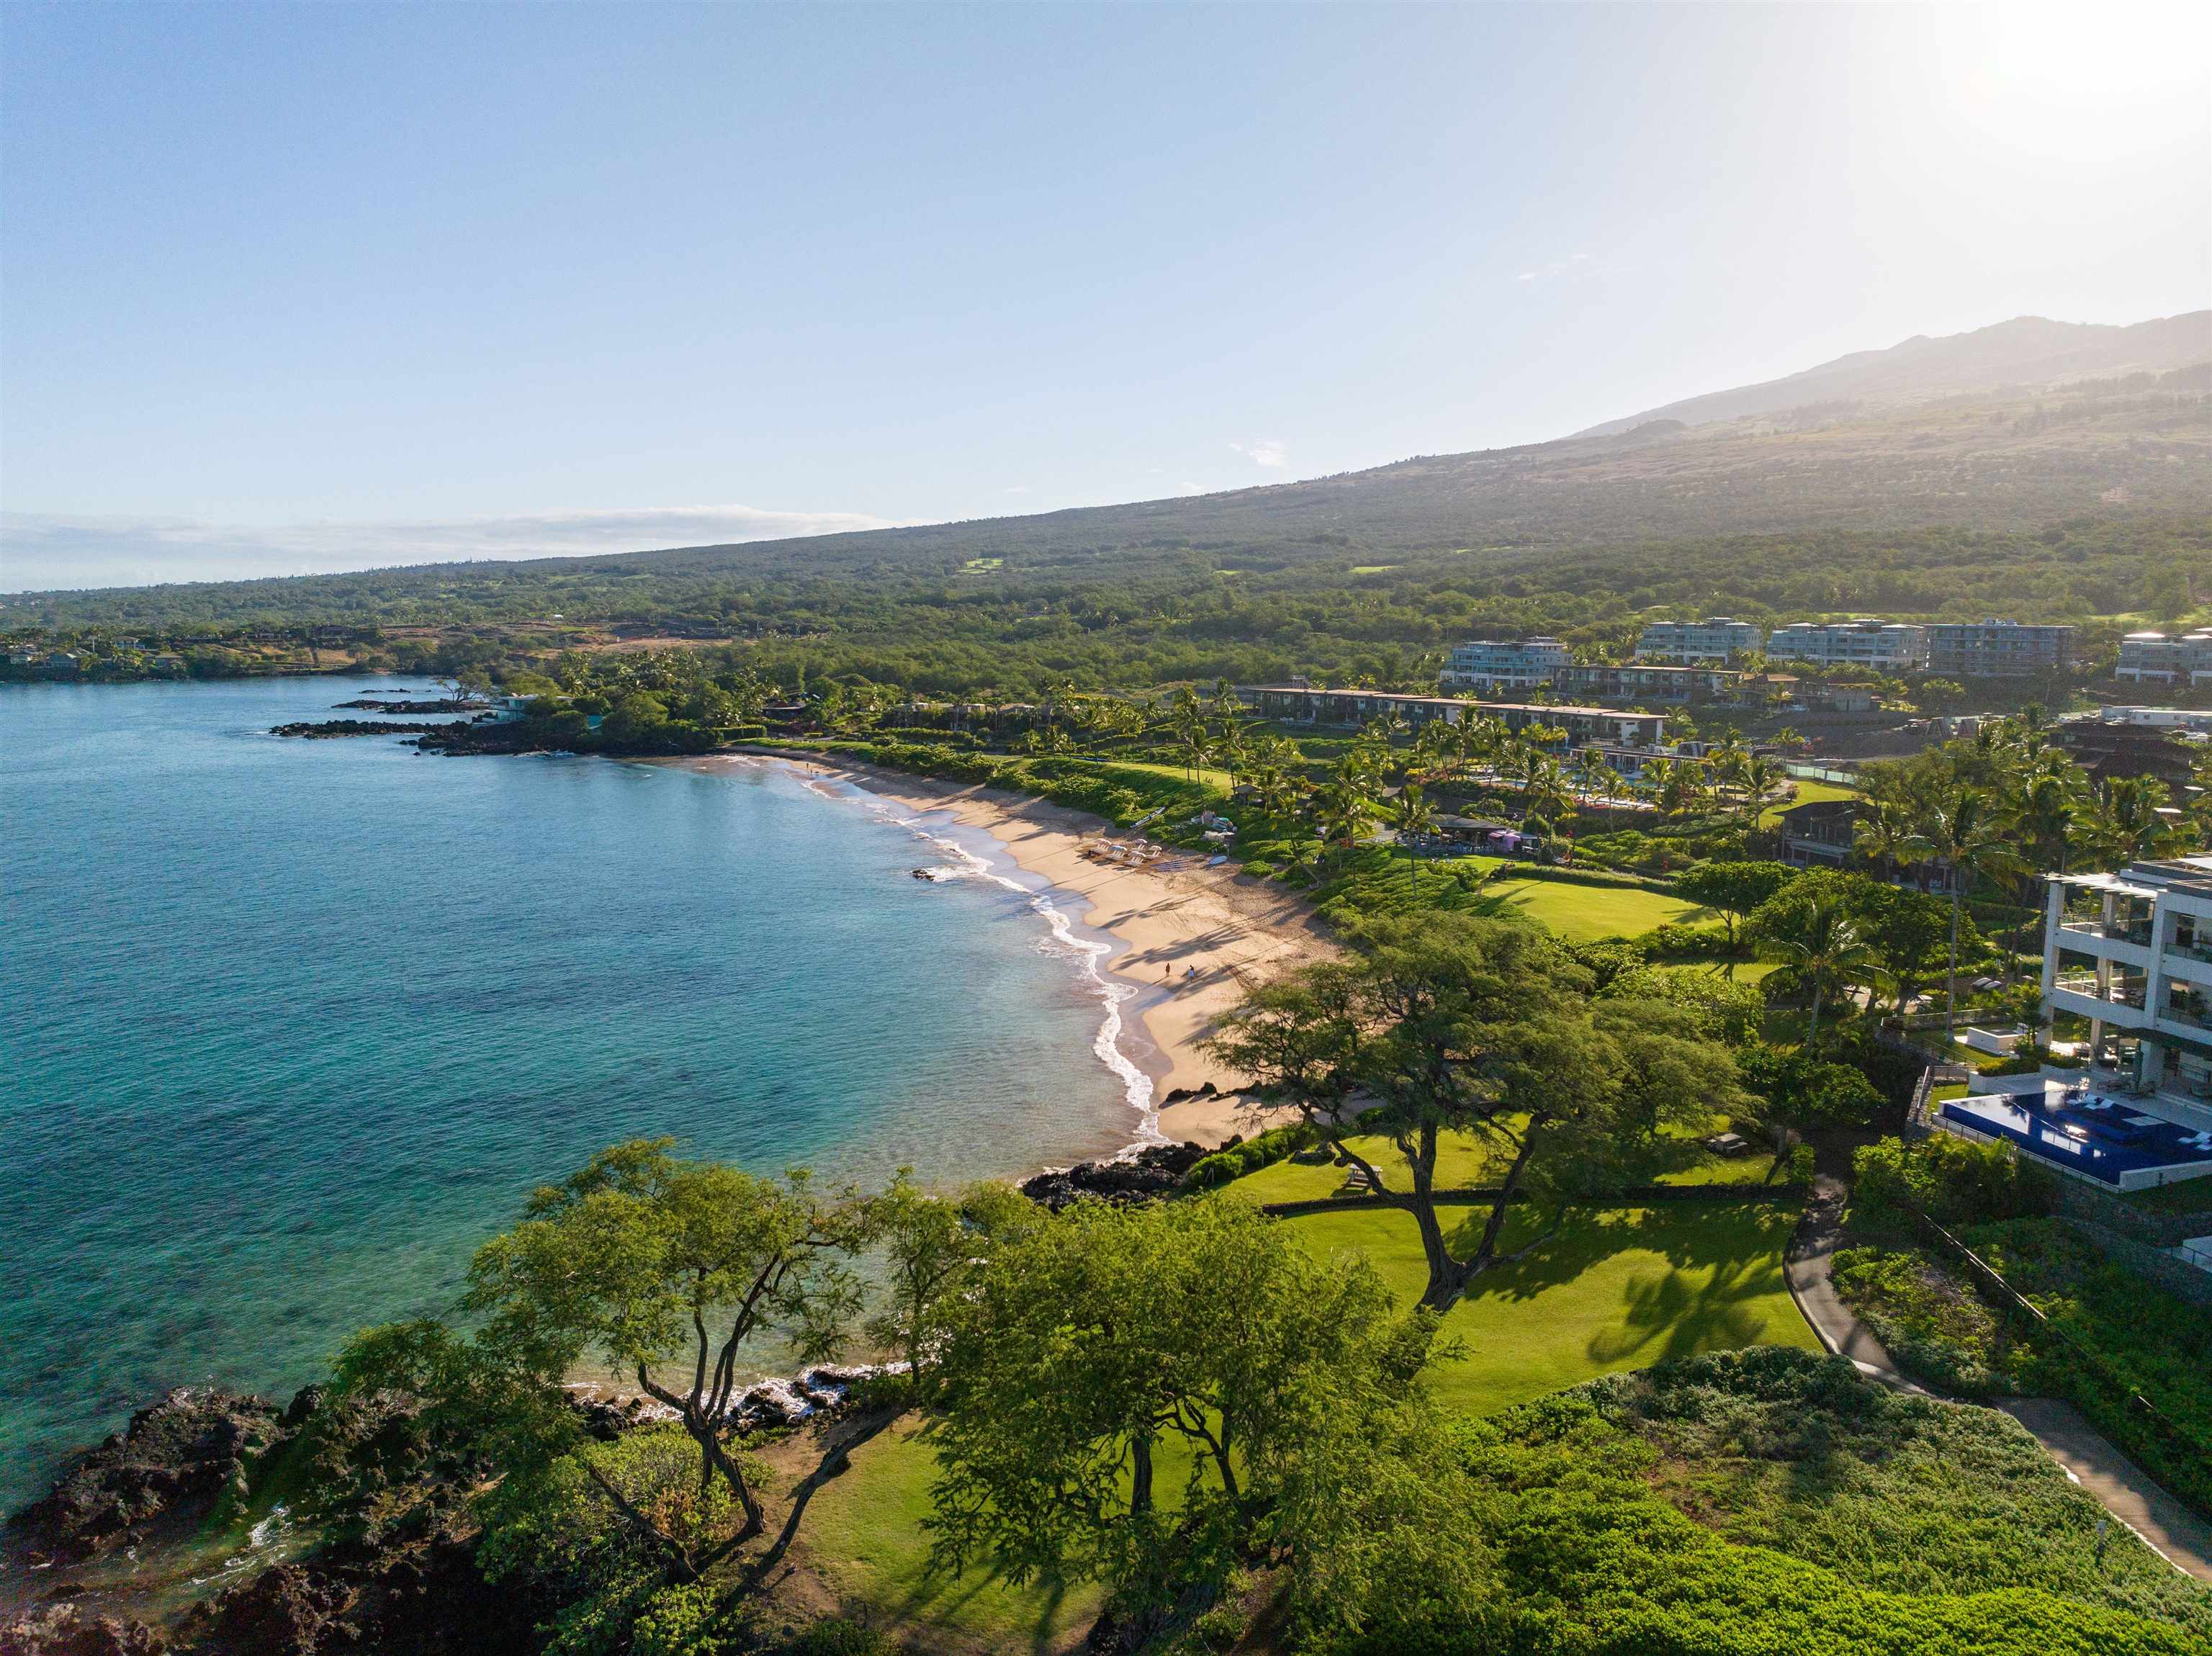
<point x="289" y="1026"/>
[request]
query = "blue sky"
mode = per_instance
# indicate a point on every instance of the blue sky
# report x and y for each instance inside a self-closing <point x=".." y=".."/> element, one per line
<point x="318" y="287"/>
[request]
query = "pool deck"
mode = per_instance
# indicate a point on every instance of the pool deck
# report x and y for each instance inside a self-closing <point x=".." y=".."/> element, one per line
<point x="2119" y="1142"/>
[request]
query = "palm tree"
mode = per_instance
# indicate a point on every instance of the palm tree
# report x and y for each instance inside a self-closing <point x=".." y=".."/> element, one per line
<point x="2125" y="824"/>
<point x="1964" y="828"/>
<point x="1757" y="778"/>
<point x="1826" y="949"/>
<point x="1187" y="722"/>
<point x="1884" y="835"/>
<point x="1415" y="819"/>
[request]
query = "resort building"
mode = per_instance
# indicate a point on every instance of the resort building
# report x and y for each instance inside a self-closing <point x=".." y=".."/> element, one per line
<point x="2134" y="741"/>
<point x="1503" y="664"/>
<point x="1646" y="683"/>
<point x="1717" y="638"/>
<point x="2157" y="659"/>
<point x="1818" y="835"/>
<point x="1998" y="649"/>
<point x="1298" y="704"/>
<point x="2132" y="953"/>
<point x="1885" y="647"/>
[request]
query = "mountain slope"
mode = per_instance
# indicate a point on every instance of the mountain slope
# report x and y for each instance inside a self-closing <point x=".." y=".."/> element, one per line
<point x="2026" y="352"/>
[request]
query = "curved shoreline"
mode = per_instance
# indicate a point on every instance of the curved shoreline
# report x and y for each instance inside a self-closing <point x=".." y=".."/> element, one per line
<point x="1193" y="937"/>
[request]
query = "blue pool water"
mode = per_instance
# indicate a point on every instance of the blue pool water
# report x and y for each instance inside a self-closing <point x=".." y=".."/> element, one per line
<point x="2102" y="1139"/>
<point x="289" y="1026"/>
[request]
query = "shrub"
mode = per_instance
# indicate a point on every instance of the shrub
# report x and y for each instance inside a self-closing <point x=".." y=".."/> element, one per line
<point x="1701" y="942"/>
<point x="1234" y="1161"/>
<point x="1955" y="1181"/>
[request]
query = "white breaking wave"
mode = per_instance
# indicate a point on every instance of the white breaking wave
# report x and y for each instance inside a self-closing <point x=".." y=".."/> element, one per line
<point x="1059" y="941"/>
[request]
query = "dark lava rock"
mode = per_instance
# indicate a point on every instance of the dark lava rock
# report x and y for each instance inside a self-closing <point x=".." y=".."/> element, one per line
<point x="289" y="1609"/>
<point x="169" y="1467"/>
<point x="64" y="1630"/>
<point x="1145" y="1177"/>
<point x="317" y="729"/>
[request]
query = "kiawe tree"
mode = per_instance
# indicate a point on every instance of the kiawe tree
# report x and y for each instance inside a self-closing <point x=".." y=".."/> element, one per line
<point x="1458" y="1024"/>
<point x="1734" y="890"/>
<point x="1128" y="1392"/>
<point x="666" y="1268"/>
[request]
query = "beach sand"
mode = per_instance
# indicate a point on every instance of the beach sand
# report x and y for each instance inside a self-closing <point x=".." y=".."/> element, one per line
<point x="1197" y="938"/>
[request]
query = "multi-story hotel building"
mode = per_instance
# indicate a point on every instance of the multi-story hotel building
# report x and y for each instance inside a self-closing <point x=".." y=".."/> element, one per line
<point x="1717" y="638"/>
<point x="2132" y="953"/>
<point x="1998" y="649"/>
<point x="2157" y="659"/>
<point x="1886" y="647"/>
<point x="1503" y="664"/>
<point x="1643" y="681"/>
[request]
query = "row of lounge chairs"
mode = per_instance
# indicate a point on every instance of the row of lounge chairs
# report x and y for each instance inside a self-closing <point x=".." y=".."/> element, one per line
<point x="1119" y="854"/>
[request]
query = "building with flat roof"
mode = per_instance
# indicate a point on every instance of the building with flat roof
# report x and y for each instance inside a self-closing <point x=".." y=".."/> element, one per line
<point x="2163" y="658"/>
<point x="1998" y="649"/>
<point x="1717" y="638"/>
<point x="2132" y="953"/>
<point x="1643" y="682"/>
<point x="1503" y="664"/>
<point x="1885" y="647"/>
<point x="1299" y="704"/>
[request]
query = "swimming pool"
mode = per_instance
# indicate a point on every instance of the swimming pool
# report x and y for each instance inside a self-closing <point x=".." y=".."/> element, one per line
<point x="2113" y="1141"/>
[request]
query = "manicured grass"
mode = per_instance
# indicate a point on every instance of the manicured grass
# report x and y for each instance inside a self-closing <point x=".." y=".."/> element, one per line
<point x="1746" y="971"/>
<point x="1462" y="1160"/>
<point x="1618" y="1289"/>
<point x="1584" y="913"/>
<point x="864" y="1534"/>
<point x="1808" y="794"/>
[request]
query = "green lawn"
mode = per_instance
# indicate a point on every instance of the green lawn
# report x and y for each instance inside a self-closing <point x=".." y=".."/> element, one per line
<point x="1808" y="794"/>
<point x="1461" y="1161"/>
<point x="1619" y="1287"/>
<point x="864" y="1533"/>
<point x="1584" y="913"/>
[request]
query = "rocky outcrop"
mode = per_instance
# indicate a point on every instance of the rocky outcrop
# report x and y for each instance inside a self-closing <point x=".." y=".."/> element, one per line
<point x="64" y="1630"/>
<point x="166" y="1470"/>
<point x="1150" y="1175"/>
<point x="318" y="729"/>
<point x="371" y="704"/>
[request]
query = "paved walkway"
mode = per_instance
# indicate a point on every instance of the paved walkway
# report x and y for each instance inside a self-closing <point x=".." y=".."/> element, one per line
<point x="2082" y="1452"/>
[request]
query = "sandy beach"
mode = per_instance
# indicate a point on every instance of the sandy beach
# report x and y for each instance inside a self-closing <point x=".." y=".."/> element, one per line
<point x="1196" y="937"/>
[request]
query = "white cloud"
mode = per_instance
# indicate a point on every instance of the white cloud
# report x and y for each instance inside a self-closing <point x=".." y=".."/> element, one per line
<point x="1573" y="266"/>
<point x="1020" y="488"/>
<point x="1265" y="452"/>
<point x="42" y="550"/>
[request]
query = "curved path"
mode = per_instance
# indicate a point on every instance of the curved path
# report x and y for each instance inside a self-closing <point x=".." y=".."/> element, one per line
<point x="2083" y="1453"/>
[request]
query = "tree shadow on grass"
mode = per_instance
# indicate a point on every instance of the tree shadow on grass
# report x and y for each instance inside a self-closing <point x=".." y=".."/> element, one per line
<point x="963" y="1602"/>
<point x="1715" y="1259"/>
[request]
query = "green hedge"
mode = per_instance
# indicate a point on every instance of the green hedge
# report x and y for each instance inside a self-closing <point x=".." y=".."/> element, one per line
<point x="1264" y="1150"/>
<point x="1595" y="876"/>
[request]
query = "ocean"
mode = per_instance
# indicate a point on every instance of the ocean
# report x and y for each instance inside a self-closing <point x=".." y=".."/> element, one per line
<point x="287" y="1026"/>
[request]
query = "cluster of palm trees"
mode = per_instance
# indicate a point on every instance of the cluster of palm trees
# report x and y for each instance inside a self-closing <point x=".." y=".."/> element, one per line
<point x="1729" y="780"/>
<point x="2007" y="807"/>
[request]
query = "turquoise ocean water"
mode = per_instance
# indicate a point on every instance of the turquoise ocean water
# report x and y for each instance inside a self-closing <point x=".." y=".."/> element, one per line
<point x="286" y="1027"/>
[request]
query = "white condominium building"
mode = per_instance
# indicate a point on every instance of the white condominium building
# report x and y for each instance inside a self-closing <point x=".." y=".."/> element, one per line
<point x="2159" y="658"/>
<point x="1887" y="646"/>
<point x="2132" y="953"/>
<point x="1717" y="638"/>
<point x="1499" y="663"/>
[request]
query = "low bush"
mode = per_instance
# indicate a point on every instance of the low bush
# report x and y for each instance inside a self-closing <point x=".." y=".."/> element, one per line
<point x="1264" y="1150"/>
<point x="1955" y="1181"/>
<point x="1930" y="1320"/>
<point x="1594" y="876"/>
<point x="1692" y="942"/>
